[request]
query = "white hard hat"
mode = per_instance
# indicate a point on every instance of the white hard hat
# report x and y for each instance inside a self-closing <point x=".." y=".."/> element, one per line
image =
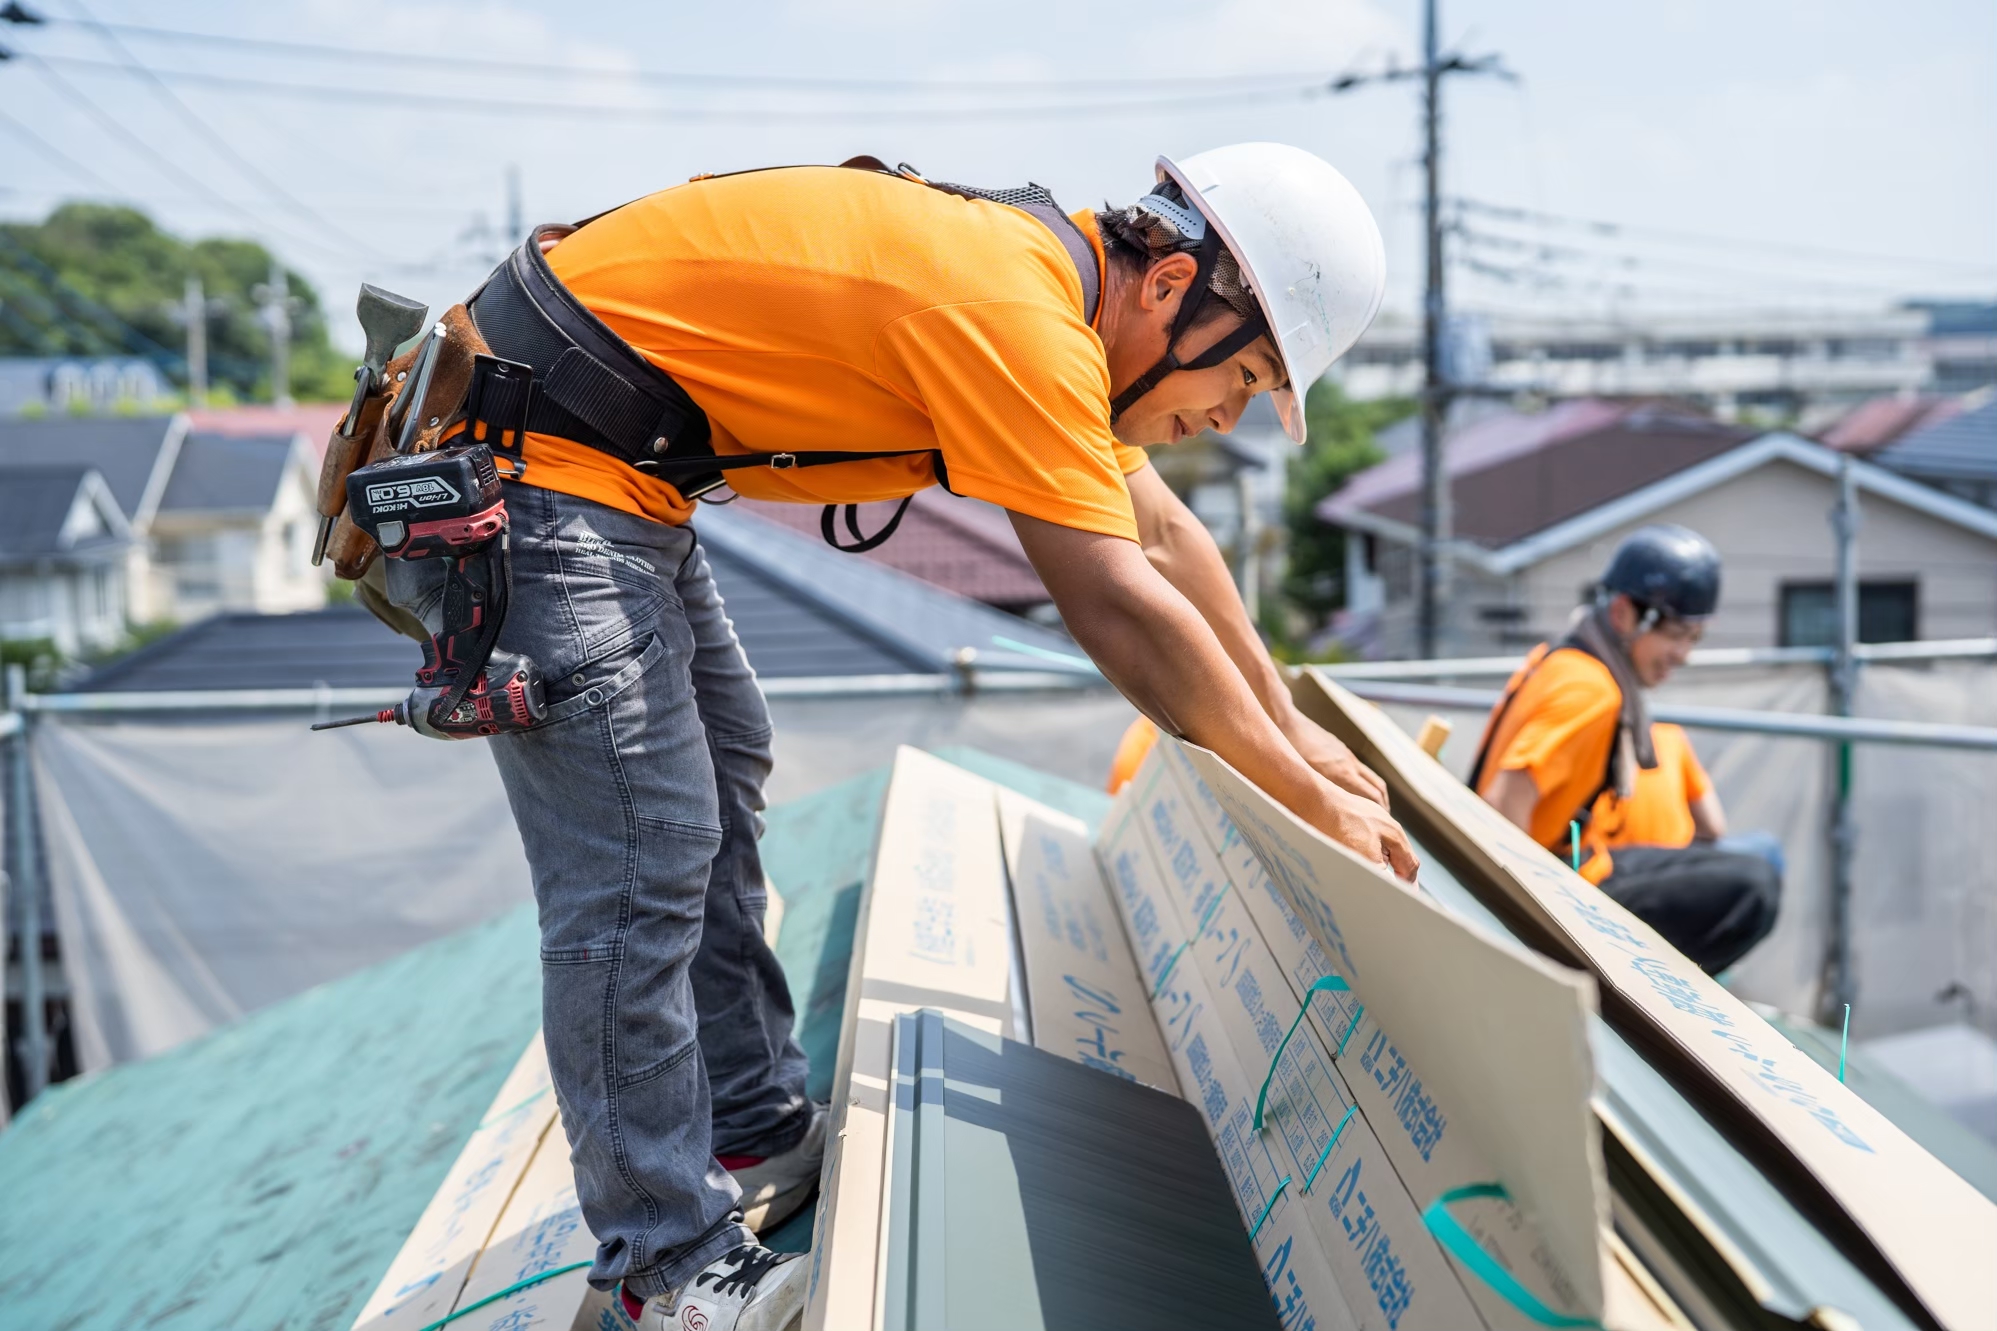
<point x="1307" y="245"/>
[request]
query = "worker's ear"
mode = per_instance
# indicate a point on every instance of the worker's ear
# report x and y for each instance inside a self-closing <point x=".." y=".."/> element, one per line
<point x="1171" y="274"/>
<point x="1622" y="614"/>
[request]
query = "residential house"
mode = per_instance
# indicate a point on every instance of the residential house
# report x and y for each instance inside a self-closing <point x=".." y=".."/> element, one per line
<point x="218" y="521"/>
<point x="63" y="542"/>
<point x="1541" y="500"/>
<point x="961" y="545"/>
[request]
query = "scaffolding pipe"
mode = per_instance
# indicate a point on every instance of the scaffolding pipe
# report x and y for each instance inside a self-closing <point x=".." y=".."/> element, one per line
<point x="34" y="1048"/>
<point x="1782" y="725"/>
<point x="1838" y="987"/>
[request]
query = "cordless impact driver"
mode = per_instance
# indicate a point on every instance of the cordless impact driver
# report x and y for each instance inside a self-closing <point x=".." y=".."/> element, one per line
<point x="447" y="505"/>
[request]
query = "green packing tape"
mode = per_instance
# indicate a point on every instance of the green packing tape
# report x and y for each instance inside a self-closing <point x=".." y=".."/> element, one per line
<point x="508" y="1292"/>
<point x="1457" y="1241"/>
<point x="1336" y="1133"/>
<point x="1267" y="1207"/>
<point x="1324" y="984"/>
<point x="1206" y="918"/>
<point x="1346" y="1038"/>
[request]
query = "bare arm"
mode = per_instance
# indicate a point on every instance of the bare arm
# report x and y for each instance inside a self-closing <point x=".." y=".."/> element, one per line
<point x="1514" y="795"/>
<point x="1709" y="820"/>
<point x="1179" y="546"/>
<point x="1152" y="643"/>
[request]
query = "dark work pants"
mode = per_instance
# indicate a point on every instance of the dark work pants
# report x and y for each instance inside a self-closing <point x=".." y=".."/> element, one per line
<point x="1710" y="902"/>
<point x="639" y="801"/>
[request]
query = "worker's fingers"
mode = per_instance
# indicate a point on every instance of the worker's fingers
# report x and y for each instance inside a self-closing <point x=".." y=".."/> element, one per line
<point x="1399" y="855"/>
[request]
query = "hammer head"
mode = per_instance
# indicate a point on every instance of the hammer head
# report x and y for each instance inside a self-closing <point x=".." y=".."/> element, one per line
<point x="388" y="320"/>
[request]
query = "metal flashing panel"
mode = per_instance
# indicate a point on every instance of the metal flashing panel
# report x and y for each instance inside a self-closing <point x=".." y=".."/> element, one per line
<point x="1029" y="1191"/>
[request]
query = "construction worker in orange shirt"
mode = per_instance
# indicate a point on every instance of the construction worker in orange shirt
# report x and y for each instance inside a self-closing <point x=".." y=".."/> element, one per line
<point x="835" y="335"/>
<point x="1570" y="754"/>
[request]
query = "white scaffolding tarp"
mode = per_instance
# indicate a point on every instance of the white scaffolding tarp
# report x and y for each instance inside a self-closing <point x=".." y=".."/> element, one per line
<point x="1924" y="895"/>
<point x="200" y="870"/>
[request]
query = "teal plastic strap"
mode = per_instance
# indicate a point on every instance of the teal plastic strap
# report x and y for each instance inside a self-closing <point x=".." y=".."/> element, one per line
<point x="1336" y="1133"/>
<point x="1458" y="1242"/>
<point x="1267" y="1207"/>
<point x="1324" y="984"/>
<point x="1346" y="1038"/>
<point x="507" y="1293"/>
<point x="1844" y="1041"/>
<point x="1206" y="918"/>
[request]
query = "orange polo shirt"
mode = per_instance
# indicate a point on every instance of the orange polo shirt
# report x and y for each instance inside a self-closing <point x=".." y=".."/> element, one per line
<point x="1558" y="730"/>
<point x="1659" y="810"/>
<point x="831" y="308"/>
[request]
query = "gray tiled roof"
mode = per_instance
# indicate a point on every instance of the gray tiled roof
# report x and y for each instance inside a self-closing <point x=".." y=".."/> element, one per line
<point x="218" y="473"/>
<point x="800" y="609"/>
<point x="1960" y="449"/>
<point x="124" y="449"/>
<point x="34" y="503"/>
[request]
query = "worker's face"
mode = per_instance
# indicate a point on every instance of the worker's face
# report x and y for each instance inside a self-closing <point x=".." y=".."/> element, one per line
<point x="1189" y="401"/>
<point x="1658" y="651"/>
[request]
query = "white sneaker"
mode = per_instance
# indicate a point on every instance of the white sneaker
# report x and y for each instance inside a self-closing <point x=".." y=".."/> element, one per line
<point x="775" y="1186"/>
<point x="749" y="1289"/>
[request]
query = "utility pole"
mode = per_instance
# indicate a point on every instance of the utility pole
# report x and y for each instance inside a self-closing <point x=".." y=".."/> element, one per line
<point x="516" y="223"/>
<point x="195" y="313"/>
<point x="1433" y="590"/>
<point x="276" y="297"/>
<point x="1838" y="987"/>
<point x="1432" y="585"/>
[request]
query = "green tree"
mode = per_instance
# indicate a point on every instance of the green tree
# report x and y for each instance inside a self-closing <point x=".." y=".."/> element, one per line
<point x="1340" y="444"/>
<point x="114" y="258"/>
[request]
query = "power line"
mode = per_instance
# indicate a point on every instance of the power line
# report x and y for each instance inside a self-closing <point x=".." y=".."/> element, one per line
<point x="353" y="97"/>
<point x="214" y="140"/>
<point x="166" y="165"/>
<point x="819" y="83"/>
<point x="1536" y="217"/>
<point x="55" y="154"/>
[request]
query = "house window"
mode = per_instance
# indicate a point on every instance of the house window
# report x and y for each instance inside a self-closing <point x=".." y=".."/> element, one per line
<point x="1887" y="612"/>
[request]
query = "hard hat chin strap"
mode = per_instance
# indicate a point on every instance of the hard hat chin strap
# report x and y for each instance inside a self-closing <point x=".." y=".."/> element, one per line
<point x="1190" y="306"/>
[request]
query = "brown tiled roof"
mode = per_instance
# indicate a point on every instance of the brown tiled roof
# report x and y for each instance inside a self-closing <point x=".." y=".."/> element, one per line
<point x="1504" y="494"/>
<point x="1872" y="425"/>
<point x="963" y="545"/>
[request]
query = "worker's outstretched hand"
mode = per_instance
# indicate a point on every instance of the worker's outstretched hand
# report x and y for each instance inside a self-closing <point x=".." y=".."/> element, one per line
<point x="1364" y="828"/>
<point x="1331" y="759"/>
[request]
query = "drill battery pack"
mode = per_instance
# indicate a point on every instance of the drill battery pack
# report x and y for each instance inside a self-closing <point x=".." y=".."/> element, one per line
<point x="429" y="505"/>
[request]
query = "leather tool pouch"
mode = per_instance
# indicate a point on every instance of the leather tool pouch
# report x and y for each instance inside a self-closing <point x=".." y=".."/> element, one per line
<point x="352" y="550"/>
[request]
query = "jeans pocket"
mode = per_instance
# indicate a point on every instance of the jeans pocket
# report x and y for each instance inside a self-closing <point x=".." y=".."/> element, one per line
<point x="594" y="683"/>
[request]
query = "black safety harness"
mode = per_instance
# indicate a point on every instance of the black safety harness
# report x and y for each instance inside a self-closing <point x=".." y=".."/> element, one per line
<point x="592" y="387"/>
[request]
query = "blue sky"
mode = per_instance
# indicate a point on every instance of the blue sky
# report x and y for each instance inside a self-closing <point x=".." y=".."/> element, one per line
<point x="1772" y="154"/>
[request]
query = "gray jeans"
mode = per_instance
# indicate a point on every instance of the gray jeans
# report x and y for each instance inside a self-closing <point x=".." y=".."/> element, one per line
<point x="639" y="802"/>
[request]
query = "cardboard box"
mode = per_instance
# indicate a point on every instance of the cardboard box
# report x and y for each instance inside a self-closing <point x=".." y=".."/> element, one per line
<point x="1294" y="1264"/>
<point x="1493" y="1024"/>
<point x="1394" y="1275"/>
<point x="1421" y="1133"/>
<point x="1799" y="1122"/>
<point x="1083" y="990"/>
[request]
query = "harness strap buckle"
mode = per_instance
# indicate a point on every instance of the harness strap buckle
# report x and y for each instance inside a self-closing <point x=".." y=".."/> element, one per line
<point x="782" y="461"/>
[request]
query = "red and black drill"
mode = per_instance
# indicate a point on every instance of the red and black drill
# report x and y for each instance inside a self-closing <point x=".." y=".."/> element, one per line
<point x="447" y="505"/>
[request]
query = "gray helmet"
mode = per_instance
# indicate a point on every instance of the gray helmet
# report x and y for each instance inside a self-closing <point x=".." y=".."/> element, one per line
<point x="1669" y="570"/>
